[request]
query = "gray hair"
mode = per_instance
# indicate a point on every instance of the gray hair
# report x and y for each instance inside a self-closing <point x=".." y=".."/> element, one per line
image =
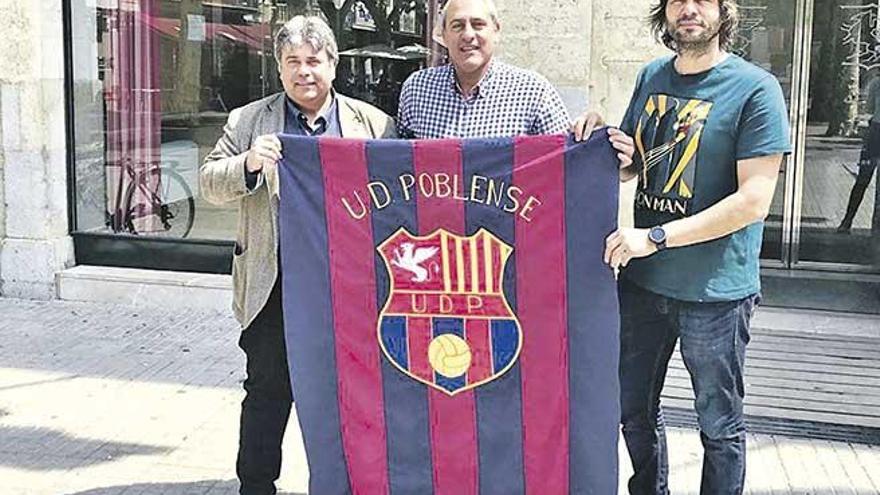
<point x="490" y="6"/>
<point x="307" y="29"/>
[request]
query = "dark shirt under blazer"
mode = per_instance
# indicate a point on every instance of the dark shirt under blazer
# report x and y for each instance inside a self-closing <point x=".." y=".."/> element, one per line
<point x="222" y="179"/>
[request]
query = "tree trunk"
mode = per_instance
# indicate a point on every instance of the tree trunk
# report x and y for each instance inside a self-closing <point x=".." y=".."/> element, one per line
<point x="186" y="98"/>
<point x="377" y="9"/>
<point x="843" y="120"/>
<point x="822" y="74"/>
<point x="335" y="17"/>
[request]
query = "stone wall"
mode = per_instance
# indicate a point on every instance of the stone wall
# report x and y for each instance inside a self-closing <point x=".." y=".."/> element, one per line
<point x="35" y="244"/>
<point x="621" y="44"/>
<point x="591" y="50"/>
<point x="2" y="190"/>
<point x="551" y="37"/>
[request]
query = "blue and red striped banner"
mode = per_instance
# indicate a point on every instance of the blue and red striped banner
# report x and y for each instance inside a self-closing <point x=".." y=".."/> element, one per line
<point x="451" y="327"/>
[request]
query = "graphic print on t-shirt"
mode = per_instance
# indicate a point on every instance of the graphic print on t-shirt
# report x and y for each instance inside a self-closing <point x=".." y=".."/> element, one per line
<point x="667" y="139"/>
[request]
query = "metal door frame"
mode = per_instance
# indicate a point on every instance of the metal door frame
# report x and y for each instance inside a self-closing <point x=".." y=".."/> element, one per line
<point x="794" y="176"/>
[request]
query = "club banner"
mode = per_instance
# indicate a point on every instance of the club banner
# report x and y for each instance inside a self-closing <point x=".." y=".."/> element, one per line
<point x="451" y="328"/>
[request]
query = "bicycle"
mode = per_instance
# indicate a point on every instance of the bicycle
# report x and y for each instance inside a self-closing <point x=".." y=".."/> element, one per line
<point x="170" y="200"/>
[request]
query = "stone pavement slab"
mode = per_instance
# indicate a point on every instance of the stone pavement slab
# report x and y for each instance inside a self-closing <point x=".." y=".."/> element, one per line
<point x="100" y="399"/>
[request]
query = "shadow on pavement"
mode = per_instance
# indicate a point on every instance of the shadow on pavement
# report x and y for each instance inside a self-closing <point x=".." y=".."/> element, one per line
<point x="56" y="450"/>
<point x="215" y="487"/>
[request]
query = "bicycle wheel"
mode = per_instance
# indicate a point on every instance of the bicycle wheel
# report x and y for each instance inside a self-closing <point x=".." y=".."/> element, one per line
<point x="173" y="204"/>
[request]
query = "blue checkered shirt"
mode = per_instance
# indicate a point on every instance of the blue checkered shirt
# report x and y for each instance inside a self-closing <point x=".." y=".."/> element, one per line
<point x="508" y="101"/>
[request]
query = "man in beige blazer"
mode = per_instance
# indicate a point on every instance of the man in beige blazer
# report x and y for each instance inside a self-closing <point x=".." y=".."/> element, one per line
<point x="242" y="168"/>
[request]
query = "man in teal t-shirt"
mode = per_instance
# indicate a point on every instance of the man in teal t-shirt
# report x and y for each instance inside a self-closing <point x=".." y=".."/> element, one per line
<point x="710" y="132"/>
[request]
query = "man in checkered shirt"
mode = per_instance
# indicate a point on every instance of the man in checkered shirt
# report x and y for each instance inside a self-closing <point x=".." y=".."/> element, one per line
<point x="476" y="96"/>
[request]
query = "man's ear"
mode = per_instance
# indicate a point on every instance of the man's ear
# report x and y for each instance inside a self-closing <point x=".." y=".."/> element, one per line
<point x="437" y="35"/>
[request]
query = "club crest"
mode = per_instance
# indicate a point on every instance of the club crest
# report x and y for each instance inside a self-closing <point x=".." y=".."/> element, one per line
<point x="446" y="322"/>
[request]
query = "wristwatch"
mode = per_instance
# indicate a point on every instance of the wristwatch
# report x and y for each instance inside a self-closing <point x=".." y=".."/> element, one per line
<point x="658" y="236"/>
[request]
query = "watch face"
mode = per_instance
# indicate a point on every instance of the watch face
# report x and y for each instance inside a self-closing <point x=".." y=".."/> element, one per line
<point x="657" y="235"/>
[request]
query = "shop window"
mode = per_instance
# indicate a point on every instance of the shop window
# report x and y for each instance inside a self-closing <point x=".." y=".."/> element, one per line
<point x="153" y="81"/>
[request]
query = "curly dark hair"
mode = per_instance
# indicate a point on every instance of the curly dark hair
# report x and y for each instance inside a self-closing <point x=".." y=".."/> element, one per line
<point x="726" y="33"/>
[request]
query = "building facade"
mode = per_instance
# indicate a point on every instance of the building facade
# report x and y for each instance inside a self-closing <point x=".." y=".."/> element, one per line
<point x="109" y="106"/>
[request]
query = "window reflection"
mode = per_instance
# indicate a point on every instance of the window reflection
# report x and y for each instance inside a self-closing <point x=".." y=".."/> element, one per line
<point x="154" y="81"/>
<point x="840" y="222"/>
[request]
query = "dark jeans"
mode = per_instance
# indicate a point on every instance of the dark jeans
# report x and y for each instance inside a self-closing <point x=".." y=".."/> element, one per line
<point x="868" y="159"/>
<point x="266" y="406"/>
<point x="713" y="342"/>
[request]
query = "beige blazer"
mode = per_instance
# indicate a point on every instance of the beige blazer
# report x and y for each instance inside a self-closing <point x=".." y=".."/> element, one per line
<point x="222" y="180"/>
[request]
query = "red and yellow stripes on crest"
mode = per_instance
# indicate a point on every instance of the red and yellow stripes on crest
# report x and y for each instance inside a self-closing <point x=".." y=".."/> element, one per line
<point x="473" y="264"/>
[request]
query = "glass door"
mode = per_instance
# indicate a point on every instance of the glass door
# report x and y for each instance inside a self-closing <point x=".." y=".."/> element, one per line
<point x="839" y="220"/>
<point x="768" y="37"/>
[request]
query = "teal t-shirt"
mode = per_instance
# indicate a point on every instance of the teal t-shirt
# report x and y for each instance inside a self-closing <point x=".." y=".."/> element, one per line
<point x="689" y="131"/>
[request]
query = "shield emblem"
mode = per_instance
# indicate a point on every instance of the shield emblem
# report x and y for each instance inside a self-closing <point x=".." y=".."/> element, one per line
<point x="446" y="322"/>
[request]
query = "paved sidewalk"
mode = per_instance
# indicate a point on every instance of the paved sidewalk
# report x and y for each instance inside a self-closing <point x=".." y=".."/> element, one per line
<point x="103" y="400"/>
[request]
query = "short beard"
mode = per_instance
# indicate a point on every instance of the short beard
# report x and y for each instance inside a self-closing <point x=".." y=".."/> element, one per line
<point x="695" y="47"/>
